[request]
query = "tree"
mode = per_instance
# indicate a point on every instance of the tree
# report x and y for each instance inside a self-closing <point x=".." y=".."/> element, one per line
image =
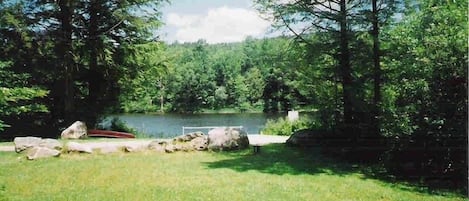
<point x="15" y="96"/>
<point x="315" y="17"/>
<point x="255" y="84"/>
<point x="377" y="13"/>
<point x="145" y="90"/>
<point x="75" y="49"/>
<point x="426" y="104"/>
<point x="193" y="82"/>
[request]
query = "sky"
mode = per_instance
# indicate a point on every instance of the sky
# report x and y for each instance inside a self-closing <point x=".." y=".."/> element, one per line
<point x="215" y="21"/>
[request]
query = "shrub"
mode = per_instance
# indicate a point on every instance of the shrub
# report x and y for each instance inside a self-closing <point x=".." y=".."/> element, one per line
<point x="119" y="125"/>
<point x="283" y="126"/>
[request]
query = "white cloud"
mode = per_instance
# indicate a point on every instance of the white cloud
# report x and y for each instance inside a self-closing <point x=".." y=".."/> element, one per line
<point x="218" y="25"/>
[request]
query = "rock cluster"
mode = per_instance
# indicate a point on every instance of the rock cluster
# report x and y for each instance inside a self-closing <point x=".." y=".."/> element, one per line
<point x="218" y="139"/>
<point x="189" y="142"/>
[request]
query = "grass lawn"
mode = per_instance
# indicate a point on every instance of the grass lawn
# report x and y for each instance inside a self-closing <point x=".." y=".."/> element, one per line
<point x="6" y="144"/>
<point x="277" y="173"/>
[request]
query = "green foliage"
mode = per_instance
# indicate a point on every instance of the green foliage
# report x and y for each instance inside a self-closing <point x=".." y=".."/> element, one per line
<point x="15" y="98"/>
<point x="283" y="126"/>
<point x="426" y="104"/>
<point x="78" y="51"/>
<point x="212" y="77"/>
<point x="145" y="90"/>
<point x="117" y="124"/>
<point x="419" y="70"/>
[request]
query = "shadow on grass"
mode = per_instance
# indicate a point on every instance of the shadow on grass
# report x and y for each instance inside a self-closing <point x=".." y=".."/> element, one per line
<point x="279" y="159"/>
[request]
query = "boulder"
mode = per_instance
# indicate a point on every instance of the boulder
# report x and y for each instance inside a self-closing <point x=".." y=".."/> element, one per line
<point x="108" y="149"/>
<point x="76" y="131"/>
<point x="134" y="147"/>
<point x="199" y="143"/>
<point x="191" y="141"/>
<point x="227" y="138"/>
<point x="42" y="152"/>
<point x="157" y="145"/>
<point x="170" y="148"/>
<point x="23" y="143"/>
<point x="51" y="144"/>
<point x="188" y="142"/>
<point x="306" y="137"/>
<point x="77" y="147"/>
<point x="188" y="137"/>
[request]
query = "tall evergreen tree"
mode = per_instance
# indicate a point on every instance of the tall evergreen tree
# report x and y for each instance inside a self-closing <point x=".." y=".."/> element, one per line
<point x="82" y="43"/>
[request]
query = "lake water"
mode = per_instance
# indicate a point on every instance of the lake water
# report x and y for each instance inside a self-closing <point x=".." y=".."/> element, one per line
<point x="170" y="125"/>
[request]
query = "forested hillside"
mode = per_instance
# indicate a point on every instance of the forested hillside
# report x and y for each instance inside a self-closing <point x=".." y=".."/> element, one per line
<point x="254" y="75"/>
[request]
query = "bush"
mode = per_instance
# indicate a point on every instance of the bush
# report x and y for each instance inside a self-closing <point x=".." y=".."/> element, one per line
<point x="119" y="125"/>
<point x="283" y="126"/>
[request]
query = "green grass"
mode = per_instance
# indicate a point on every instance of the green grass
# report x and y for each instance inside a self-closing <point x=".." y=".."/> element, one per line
<point x="277" y="173"/>
<point x="6" y="144"/>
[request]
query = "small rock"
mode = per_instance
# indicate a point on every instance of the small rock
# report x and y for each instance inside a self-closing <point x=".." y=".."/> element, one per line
<point x="42" y="152"/>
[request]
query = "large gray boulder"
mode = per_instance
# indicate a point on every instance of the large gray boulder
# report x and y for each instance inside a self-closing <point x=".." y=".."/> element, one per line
<point x="77" y="147"/>
<point x="227" y="138"/>
<point x="23" y="143"/>
<point x="42" y="152"/>
<point x="76" y="131"/>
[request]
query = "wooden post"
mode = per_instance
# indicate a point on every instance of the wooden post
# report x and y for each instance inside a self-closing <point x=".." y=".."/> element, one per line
<point x="257" y="148"/>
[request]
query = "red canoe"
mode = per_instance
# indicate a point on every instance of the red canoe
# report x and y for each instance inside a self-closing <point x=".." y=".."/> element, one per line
<point x="111" y="134"/>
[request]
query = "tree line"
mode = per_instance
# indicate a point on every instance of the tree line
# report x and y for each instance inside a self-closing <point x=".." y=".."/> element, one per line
<point x="253" y="75"/>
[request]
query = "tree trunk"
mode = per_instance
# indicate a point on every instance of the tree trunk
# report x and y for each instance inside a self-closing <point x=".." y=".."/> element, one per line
<point x="377" y="68"/>
<point x="345" y="68"/>
<point x="65" y="52"/>
<point x="94" y="77"/>
<point x="161" y="96"/>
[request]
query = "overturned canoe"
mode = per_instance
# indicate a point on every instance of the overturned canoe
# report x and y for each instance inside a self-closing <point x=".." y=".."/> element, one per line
<point x="110" y="134"/>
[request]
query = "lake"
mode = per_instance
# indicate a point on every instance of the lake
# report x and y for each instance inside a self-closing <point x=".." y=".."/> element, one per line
<point x="170" y="125"/>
